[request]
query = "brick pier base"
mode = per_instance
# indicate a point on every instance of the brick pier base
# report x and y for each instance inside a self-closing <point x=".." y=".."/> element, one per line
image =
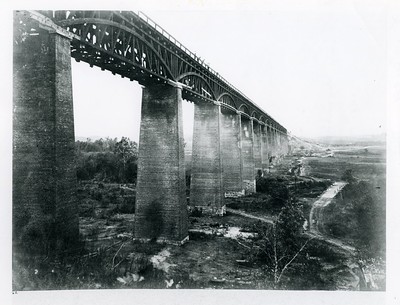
<point x="45" y="212"/>
<point x="248" y="172"/>
<point x="231" y="154"/>
<point x="161" y="209"/>
<point x="206" y="177"/>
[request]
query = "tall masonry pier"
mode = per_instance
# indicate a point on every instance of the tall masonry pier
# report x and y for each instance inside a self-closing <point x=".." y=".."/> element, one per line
<point x="234" y="140"/>
<point x="161" y="200"/>
<point x="44" y="175"/>
<point x="206" y="179"/>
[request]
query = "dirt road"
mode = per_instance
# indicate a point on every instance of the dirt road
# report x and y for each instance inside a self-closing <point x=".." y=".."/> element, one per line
<point x="318" y="206"/>
<point x="262" y="219"/>
<point x="316" y="216"/>
<point x="356" y="278"/>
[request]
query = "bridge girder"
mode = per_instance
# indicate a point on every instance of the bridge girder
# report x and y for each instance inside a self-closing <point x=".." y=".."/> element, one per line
<point x="134" y="46"/>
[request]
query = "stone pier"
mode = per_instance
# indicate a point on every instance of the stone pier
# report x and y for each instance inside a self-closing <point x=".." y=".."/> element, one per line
<point x="248" y="174"/>
<point x="270" y="142"/>
<point x="231" y="151"/>
<point x="273" y="142"/>
<point x="264" y="148"/>
<point x="257" y="149"/>
<point x="276" y="137"/>
<point x="279" y="138"/>
<point x="45" y="211"/>
<point x="206" y="189"/>
<point x="230" y="146"/>
<point x="161" y="208"/>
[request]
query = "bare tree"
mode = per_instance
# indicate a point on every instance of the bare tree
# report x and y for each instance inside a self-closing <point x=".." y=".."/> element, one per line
<point x="280" y="244"/>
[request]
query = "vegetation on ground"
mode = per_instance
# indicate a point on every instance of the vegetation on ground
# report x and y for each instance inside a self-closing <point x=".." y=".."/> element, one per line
<point x="274" y="191"/>
<point x="278" y="256"/>
<point x="107" y="160"/>
<point x="124" y="264"/>
<point x="102" y="200"/>
<point x="358" y="215"/>
<point x="283" y="252"/>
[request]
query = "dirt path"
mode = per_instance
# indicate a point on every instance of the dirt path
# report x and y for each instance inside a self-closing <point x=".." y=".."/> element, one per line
<point x="318" y="206"/>
<point x="356" y="278"/>
<point x="316" y="214"/>
<point x="262" y="219"/>
<point x="333" y="241"/>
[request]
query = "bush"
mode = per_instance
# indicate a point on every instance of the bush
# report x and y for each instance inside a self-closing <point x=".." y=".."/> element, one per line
<point x="317" y="248"/>
<point x="290" y="223"/>
<point x="87" y="208"/>
<point x="108" y="160"/>
<point x="359" y="216"/>
<point x="276" y="188"/>
<point x="196" y="212"/>
<point x="256" y="202"/>
<point x="348" y="176"/>
<point x="277" y="246"/>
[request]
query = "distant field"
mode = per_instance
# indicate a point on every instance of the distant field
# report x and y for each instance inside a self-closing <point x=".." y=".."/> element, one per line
<point x="366" y="163"/>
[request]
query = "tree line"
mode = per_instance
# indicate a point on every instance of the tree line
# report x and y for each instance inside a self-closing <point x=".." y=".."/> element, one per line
<point x="108" y="160"/>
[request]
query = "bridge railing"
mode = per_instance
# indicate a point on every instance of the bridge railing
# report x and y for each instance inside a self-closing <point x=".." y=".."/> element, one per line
<point x="173" y="40"/>
<point x="159" y="29"/>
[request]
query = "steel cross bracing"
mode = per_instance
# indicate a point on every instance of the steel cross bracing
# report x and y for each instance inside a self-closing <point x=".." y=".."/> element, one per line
<point x="134" y="46"/>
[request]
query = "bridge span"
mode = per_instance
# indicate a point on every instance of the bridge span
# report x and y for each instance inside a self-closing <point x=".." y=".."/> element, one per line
<point x="233" y="140"/>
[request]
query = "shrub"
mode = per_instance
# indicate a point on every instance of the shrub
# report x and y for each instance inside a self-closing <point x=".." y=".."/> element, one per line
<point x="348" y="176"/>
<point x="359" y="216"/>
<point x="277" y="246"/>
<point x="276" y="188"/>
<point x="196" y="212"/>
<point x="107" y="160"/>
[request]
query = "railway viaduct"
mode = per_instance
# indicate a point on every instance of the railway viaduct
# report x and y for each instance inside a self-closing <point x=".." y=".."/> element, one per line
<point x="233" y="138"/>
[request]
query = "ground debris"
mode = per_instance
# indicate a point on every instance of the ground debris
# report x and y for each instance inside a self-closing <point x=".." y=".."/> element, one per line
<point x="159" y="260"/>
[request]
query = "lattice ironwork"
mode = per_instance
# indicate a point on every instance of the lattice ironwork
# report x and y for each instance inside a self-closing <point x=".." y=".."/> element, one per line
<point x="134" y="46"/>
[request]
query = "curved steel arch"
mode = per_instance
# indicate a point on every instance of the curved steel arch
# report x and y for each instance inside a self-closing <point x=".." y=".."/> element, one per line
<point x="229" y="107"/>
<point x="138" y="48"/>
<point x="263" y="118"/>
<point x="115" y="39"/>
<point x="196" y="85"/>
<point x="254" y="114"/>
<point x="245" y="108"/>
<point x="228" y="100"/>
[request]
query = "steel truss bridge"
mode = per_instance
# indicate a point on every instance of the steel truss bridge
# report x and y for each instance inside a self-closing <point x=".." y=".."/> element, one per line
<point x="234" y="140"/>
<point x="134" y="46"/>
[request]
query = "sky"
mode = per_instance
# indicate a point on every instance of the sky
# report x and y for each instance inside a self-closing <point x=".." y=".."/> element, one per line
<point x="318" y="69"/>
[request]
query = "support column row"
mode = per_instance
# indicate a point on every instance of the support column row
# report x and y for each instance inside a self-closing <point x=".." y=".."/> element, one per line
<point x="228" y="151"/>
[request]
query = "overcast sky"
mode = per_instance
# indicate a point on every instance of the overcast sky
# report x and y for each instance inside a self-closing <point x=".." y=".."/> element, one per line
<point x="319" y="70"/>
<point x="317" y="66"/>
